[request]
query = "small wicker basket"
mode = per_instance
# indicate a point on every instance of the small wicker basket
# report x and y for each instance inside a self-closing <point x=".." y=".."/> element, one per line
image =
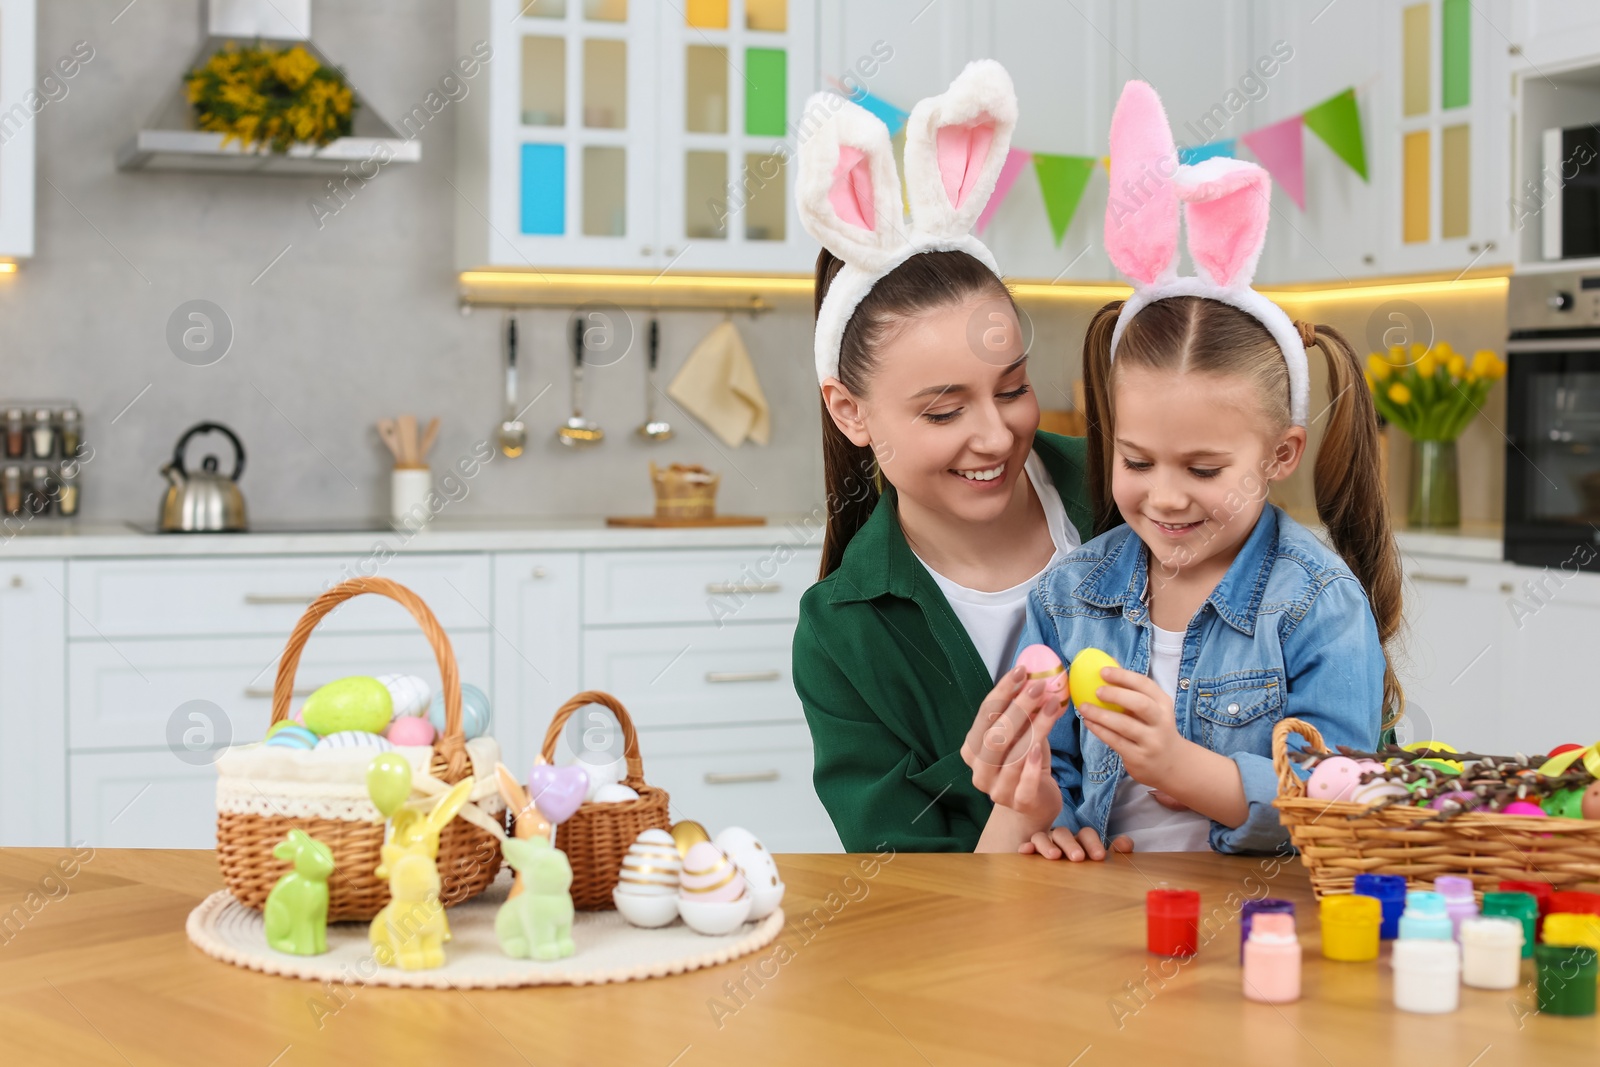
<point x="468" y="857"/>
<point x="1338" y="840"/>
<point x="684" y="491"/>
<point x="597" y="836"/>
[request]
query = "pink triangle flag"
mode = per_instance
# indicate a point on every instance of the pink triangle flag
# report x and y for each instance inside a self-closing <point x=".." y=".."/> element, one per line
<point x="1281" y="149"/>
<point x="1016" y="160"/>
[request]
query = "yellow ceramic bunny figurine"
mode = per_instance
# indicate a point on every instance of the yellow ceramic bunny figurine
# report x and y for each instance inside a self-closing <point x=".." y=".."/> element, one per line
<point x="411" y="930"/>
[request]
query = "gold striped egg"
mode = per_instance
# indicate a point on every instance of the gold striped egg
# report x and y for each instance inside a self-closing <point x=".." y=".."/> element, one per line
<point x="710" y="876"/>
<point x="651" y="866"/>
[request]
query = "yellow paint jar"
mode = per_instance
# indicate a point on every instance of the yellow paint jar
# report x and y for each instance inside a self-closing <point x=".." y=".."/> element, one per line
<point x="1350" y="927"/>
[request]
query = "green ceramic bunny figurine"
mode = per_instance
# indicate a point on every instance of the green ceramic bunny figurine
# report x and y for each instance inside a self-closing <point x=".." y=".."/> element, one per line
<point x="537" y="923"/>
<point x="296" y="915"/>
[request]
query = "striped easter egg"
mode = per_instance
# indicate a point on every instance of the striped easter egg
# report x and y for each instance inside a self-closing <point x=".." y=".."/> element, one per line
<point x="651" y="866"/>
<point x="292" y="736"/>
<point x="356" y="739"/>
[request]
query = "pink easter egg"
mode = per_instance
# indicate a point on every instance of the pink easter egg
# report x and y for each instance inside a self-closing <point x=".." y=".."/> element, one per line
<point x="410" y="730"/>
<point x="1335" y="778"/>
<point x="1040" y="661"/>
<point x="1459" y="796"/>
<point x="1522" y="807"/>
<point x="710" y="876"/>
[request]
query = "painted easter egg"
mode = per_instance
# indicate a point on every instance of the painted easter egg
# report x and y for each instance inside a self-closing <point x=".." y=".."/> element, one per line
<point x="614" y="793"/>
<point x="1564" y="804"/>
<point x="410" y="730"/>
<point x="688" y="833"/>
<point x="1523" y="807"/>
<point x="1334" y="778"/>
<point x="475" y="716"/>
<point x="355" y="739"/>
<point x="601" y="773"/>
<point x="1085" y="678"/>
<point x="1377" y="791"/>
<point x="1457" y="797"/>
<point x="1591" y="802"/>
<point x="651" y="866"/>
<point x="750" y="856"/>
<point x="1437" y="764"/>
<point x="281" y="724"/>
<point x="293" y="736"/>
<point x="409" y="693"/>
<point x="710" y="876"/>
<point x="355" y="703"/>
<point x="1041" y="662"/>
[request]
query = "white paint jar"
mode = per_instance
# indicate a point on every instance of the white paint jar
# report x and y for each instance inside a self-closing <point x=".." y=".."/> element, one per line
<point x="1491" y="953"/>
<point x="1427" y="976"/>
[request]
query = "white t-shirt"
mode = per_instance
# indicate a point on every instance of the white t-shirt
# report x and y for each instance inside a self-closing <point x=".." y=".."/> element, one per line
<point x="1134" y="811"/>
<point x="994" y="621"/>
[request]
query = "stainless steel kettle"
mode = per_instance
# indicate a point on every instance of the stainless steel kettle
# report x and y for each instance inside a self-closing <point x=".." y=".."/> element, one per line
<point x="203" y="501"/>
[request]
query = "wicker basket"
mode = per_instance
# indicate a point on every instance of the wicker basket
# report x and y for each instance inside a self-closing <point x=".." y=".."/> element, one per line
<point x="597" y="836"/>
<point x="1485" y="846"/>
<point x="468" y="857"/>
<point x="684" y="492"/>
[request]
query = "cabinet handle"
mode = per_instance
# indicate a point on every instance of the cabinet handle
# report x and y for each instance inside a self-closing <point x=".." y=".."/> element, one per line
<point x="735" y="587"/>
<point x="716" y="778"/>
<point x="279" y="598"/>
<point x="1439" y="579"/>
<point x="645" y="250"/>
<point x="1472" y="248"/>
<point x="264" y="692"/>
<point x="539" y="572"/>
<point x="16" y="581"/>
<point x="743" y="676"/>
<point x="1507" y="588"/>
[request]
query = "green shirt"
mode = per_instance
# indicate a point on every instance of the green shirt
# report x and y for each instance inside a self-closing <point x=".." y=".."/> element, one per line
<point x="890" y="683"/>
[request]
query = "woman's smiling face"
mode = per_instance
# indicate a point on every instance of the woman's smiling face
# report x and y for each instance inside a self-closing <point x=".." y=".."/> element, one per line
<point x="950" y="414"/>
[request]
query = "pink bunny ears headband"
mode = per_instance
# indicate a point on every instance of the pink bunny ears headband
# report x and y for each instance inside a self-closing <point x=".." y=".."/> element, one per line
<point x="848" y="192"/>
<point x="1225" y="207"/>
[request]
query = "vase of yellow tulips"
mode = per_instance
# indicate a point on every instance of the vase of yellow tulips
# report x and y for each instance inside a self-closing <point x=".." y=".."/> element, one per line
<point x="1432" y="393"/>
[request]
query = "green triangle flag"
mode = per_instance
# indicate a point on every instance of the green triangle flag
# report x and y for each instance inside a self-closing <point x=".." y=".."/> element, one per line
<point x="1337" y="121"/>
<point x="1061" y="180"/>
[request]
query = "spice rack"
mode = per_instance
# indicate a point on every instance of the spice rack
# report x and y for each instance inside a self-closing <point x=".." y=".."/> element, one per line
<point x="41" y="457"/>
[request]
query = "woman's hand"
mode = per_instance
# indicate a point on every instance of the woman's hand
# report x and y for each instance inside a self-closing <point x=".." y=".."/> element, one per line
<point x="1008" y="748"/>
<point x="1145" y="734"/>
<point x="1059" y="841"/>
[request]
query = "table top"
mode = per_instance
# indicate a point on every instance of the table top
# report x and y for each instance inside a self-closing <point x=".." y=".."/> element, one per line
<point x="890" y="959"/>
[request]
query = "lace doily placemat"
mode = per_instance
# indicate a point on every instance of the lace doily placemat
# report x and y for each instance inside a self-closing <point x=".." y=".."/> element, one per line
<point x="608" y="948"/>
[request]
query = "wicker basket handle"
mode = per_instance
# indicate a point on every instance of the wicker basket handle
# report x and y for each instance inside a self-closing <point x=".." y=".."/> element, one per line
<point x="1291" y="784"/>
<point x="450" y="744"/>
<point x="630" y="739"/>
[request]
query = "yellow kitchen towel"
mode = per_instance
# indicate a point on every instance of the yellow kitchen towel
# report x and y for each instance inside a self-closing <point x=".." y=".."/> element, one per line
<point x="718" y="386"/>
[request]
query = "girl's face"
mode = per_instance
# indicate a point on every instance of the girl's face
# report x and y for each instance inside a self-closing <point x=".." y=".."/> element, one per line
<point x="950" y="414"/>
<point x="1192" y="464"/>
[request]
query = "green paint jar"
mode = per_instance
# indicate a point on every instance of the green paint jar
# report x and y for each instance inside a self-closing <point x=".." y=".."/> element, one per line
<point x="1523" y="907"/>
<point x="1567" y="979"/>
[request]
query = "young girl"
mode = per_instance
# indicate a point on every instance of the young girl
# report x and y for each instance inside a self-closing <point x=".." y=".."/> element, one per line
<point x="1227" y="615"/>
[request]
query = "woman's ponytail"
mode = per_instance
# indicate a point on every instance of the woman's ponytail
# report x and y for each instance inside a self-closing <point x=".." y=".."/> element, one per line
<point x="1352" y="501"/>
<point x="849" y="473"/>
<point x="1097" y="415"/>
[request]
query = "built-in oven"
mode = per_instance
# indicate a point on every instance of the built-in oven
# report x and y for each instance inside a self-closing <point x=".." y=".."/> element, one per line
<point x="1552" y="504"/>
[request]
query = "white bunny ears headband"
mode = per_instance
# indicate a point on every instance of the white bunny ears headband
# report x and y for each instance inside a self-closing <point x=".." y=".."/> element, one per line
<point x="1225" y="207"/>
<point x="848" y="192"/>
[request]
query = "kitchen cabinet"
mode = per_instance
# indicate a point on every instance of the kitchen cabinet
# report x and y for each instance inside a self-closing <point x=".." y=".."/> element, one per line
<point x="33" y="770"/>
<point x="634" y="135"/>
<point x="1551" y="34"/>
<point x="21" y="100"/>
<point x="537" y="640"/>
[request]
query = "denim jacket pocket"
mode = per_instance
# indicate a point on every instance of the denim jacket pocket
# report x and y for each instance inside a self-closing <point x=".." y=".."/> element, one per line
<point x="1232" y="708"/>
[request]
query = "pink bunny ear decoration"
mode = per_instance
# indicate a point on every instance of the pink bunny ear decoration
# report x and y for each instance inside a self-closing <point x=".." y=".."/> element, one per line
<point x="847" y="190"/>
<point x="1225" y="210"/>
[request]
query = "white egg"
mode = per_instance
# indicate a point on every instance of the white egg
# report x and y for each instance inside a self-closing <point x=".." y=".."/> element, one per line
<point x="614" y="793"/>
<point x="603" y="774"/>
<point x="760" y="870"/>
<point x="355" y="739"/>
<point x="410" y="694"/>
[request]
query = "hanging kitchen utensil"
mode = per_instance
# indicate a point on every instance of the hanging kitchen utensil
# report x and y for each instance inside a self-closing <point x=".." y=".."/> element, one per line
<point x="653" y="429"/>
<point x="577" y="430"/>
<point x="203" y="501"/>
<point x="513" y="435"/>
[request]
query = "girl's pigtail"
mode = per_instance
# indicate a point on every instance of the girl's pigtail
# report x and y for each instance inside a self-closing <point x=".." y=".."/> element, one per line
<point x="1097" y="415"/>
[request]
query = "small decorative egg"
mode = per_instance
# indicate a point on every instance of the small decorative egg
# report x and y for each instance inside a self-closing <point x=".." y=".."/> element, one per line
<point x="1377" y="791"/>
<point x="651" y="866"/>
<point x="355" y="703"/>
<point x="1041" y="662"/>
<point x="293" y="736"/>
<point x="1084" y="678"/>
<point x="760" y="870"/>
<point x="1334" y="779"/>
<point x="709" y="876"/>
<point x="603" y="774"/>
<point x="410" y="693"/>
<point x="1569" y="747"/>
<point x="614" y="793"/>
<point x="1564" y="804"/>
<point x="1523" y="807"/>
<point x="687" y="834"/>
<point x="1458" y="797"/>
<point x="281" y="724"/>
<point x="475" y="717"/>
<point x="1591" y="802"/>
<point x="356" y="739"/>
<point x="410" y="730"/>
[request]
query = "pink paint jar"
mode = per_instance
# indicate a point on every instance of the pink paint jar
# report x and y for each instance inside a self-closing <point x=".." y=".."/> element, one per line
<point x="1272" y="959"/>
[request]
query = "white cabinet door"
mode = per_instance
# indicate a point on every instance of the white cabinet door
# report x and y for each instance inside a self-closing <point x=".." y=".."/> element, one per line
<point x="1450" y="656"/>
<point x="143" y="800"/>
<point x="1550" y="627"/>
<point x="23" y="96"/>
<point x="1551" y="34"/>
<point x="536" y="644"/>
<point x="33" y="637"/>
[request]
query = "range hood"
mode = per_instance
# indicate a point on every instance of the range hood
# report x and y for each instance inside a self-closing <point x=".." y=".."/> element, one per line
<point x="170" y="141"/>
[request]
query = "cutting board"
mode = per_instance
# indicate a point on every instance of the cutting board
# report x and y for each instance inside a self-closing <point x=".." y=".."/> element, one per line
<point x="715" y="520"/>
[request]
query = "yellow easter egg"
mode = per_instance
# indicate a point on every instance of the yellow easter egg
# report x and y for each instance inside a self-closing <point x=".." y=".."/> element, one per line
<point x="1084" y="678"/>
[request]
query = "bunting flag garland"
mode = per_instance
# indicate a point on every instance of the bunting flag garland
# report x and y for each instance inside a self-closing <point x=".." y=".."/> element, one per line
<point x="1279" y="147"/>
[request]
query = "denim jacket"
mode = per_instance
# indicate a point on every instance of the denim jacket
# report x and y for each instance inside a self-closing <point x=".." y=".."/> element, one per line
<point x="1287" y="632"/>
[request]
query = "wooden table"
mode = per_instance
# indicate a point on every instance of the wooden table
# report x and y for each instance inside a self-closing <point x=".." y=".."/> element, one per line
<point x="904" y="959"/>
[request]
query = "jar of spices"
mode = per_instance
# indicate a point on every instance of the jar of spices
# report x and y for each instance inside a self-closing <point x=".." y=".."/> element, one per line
<point x="71" y="432"/>
<point x="67" y="500"/>
<point x="16" y="438"/>
<point x="13" y="489"/>
<point x="44" y="434"/>
<point x="41" y="492"/>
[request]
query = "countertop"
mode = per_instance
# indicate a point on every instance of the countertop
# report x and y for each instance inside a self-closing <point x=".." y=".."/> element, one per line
<point x="889" y="959"/>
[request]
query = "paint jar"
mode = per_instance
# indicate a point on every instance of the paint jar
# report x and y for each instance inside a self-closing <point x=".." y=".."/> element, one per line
<point x="1573" y="902"/>
<point x="1459" y="901"/>
<point x="1427" y="975"/>
<point x="1272" y="959"/>
<point x="1265" y="906"/>
<point x="1567" y="979"/>
<point x="1425" y="918"/>
<point x="1523" y="907"/>
<point x="1390" y="891"/>
<point x="1566" y="929"/>
<point x="1491" y="952"/>
<point x="1350" y="927"/>
<point x="1172" y="921"/>
<point x="1540" y="891"/>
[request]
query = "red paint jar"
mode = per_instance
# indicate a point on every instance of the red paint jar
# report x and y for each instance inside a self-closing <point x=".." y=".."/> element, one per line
<point x="1172" y="919"/>
<point x="1572" y="902"/>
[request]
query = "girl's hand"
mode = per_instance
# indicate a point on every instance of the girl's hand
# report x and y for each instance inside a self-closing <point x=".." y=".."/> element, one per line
<point x="1008" y="748"/>
<point x="1052" y="844"/>
<point x="1146" y="734"/>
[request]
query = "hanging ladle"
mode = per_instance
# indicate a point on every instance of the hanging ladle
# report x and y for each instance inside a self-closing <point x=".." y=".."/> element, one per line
<point x="653" y="429"/>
